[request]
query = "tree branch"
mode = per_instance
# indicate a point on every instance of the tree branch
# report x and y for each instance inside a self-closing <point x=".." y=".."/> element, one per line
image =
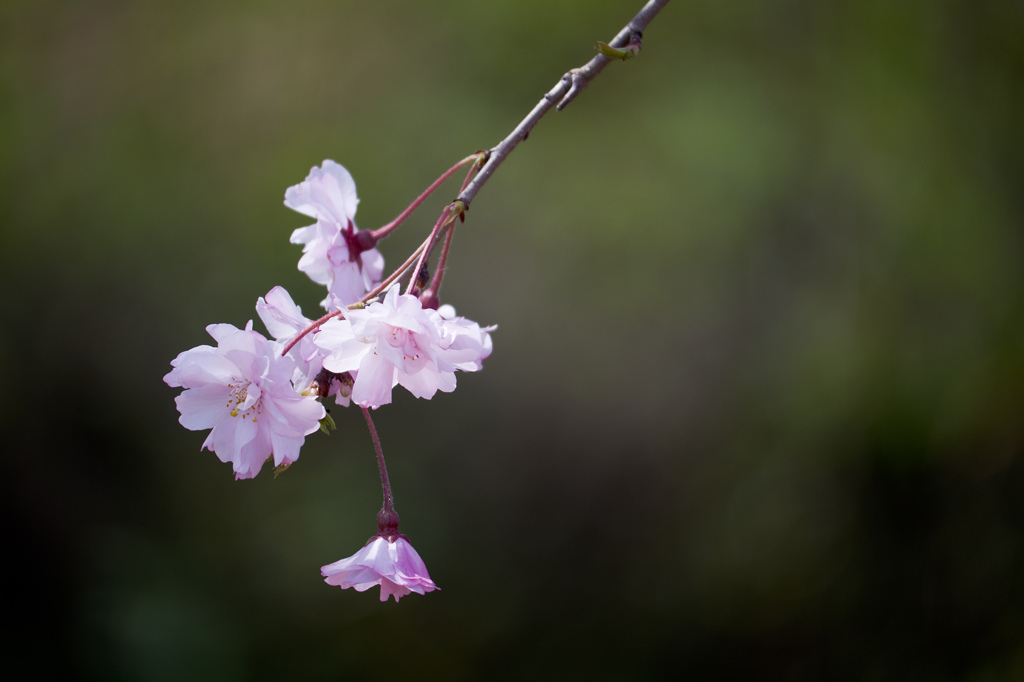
<point x="565" y="91"/>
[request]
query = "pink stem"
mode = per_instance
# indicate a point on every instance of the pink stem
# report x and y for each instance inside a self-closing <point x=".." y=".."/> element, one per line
<point x="431" y="241"/>
<point x="472" y="171"/>
<point x="397" y="273"/>
<point x="312" y="327"/>
<point x="382" y="232"/>
<point x="385" y="484"/>
<point x="435" y="284"/>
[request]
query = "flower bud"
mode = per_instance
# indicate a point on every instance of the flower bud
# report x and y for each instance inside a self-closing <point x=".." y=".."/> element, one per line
<point x="430" y="300"/>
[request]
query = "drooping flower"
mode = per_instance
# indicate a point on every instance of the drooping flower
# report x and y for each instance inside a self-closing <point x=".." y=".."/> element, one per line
<point x="242" y="390"/>
<point x="397" y="341"/>
<point x="333" y="252"/>
<point x="393" y="564"/>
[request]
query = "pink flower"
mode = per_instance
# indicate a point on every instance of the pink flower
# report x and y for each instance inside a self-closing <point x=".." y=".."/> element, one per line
<point x="466" y="344"/>
<point x="332" y="253"/>
<point x="284" y="320"/>
<point x="398" y="342"/>
<point x="394" y="565"/>
<point x="242" y="390"/>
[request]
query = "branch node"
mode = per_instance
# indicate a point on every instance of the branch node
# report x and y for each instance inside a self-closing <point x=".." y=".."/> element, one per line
<point x="574" y="77"/>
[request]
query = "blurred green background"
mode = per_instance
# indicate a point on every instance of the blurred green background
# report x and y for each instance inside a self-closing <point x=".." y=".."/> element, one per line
<point x="755" y="407"/>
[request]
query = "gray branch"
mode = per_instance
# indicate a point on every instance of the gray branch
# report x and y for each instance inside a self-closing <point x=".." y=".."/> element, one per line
<point x="559" y="96"/>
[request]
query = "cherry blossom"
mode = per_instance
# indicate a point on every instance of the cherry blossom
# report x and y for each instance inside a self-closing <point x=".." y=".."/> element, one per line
<point x="242" y="390"/>
<point x="396" y="341"/>
<point x="284" y="320"/>
<point x="334" y="252"/>
<point x="466" y="343"/>
<point x="391" y="563"/>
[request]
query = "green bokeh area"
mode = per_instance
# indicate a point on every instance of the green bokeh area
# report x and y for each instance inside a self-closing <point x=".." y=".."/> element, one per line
<point x="755" y="406"/>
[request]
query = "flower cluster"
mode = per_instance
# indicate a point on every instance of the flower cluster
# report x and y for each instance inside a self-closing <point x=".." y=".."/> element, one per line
<point x="398" y="342"/>
<point x="260" y="398"/>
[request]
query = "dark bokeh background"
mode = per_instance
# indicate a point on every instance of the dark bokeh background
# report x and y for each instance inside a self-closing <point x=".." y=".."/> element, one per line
<point x="755" y="408"/>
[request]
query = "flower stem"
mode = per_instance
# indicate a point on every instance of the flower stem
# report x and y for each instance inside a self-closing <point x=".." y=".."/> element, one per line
<point x="481" y="160"/>
<point x="384" y="231"/>
<point x="435" y="285"/>
<point x="431" y="241"/>
<point x="387" y="519"/>
<point x="397" y="273"/>
<point x="429" y="298"/>
<point x="313" y="326"/>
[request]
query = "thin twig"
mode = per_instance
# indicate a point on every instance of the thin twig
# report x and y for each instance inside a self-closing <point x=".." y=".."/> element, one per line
<point x="564" y="92"/>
